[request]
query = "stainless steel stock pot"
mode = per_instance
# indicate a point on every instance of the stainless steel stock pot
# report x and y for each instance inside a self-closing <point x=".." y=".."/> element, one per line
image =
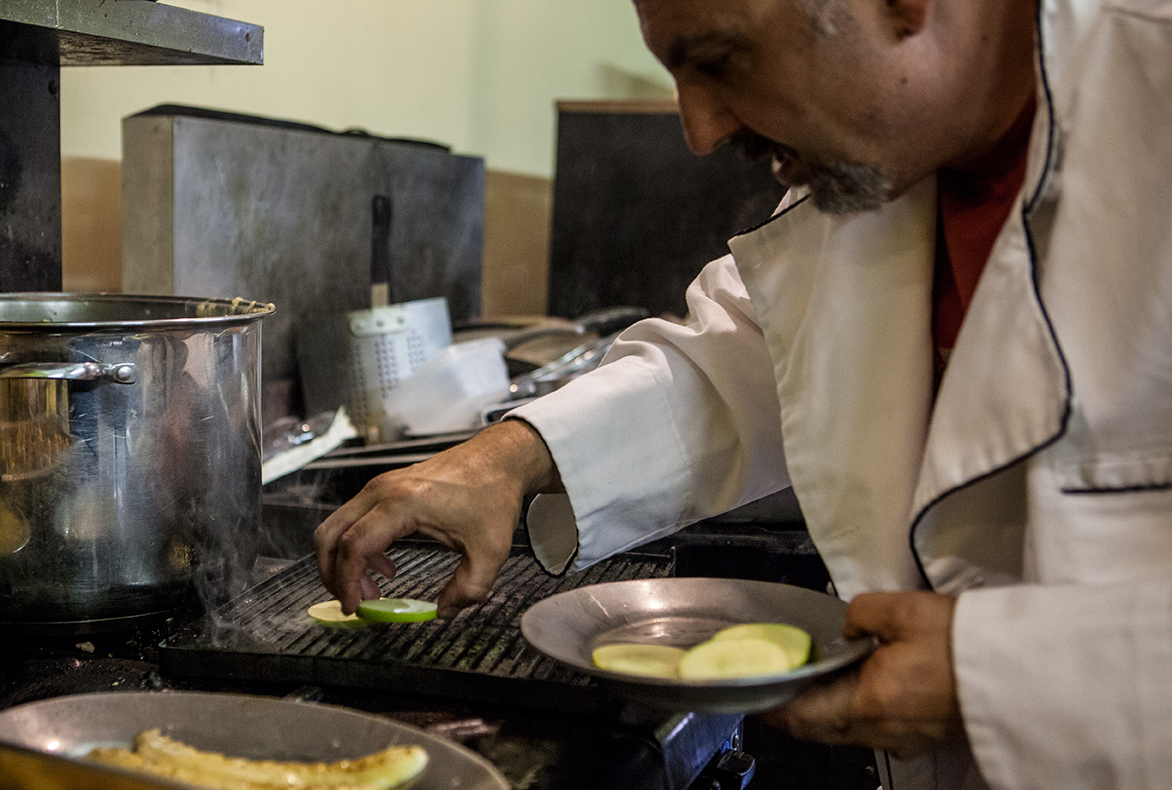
<point x="130" y="455"/>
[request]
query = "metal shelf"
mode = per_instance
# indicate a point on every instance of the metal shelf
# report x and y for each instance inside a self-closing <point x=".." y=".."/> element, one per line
<point x="123" y="33"/>
<point x="37" y="38"/>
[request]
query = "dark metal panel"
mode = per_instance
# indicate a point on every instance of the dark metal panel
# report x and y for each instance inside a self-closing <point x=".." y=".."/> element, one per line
<point x="30" y="170"/>
<point x="635" y="214"/>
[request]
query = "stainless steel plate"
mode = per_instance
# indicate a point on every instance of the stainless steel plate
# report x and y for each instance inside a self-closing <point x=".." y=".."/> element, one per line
<point x="238" y="725"/>
<point x="683" y="612"/>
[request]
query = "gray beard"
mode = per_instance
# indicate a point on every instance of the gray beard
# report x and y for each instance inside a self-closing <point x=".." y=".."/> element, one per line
<point x="835" y="187"/>
<point x="844" y="188"/>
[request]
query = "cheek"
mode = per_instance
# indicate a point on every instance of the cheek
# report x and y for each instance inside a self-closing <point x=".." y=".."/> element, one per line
<point x="779" y="115"/>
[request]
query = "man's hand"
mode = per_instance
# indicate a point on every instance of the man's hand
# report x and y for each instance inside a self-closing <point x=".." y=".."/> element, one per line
<point x="903" y="696"/>
<point x="468" y="498"/>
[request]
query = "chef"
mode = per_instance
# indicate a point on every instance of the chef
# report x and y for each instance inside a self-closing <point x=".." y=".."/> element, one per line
<point x="953" y="339"/>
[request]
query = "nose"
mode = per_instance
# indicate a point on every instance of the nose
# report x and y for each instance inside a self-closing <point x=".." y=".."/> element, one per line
<point x="707" y="122"/>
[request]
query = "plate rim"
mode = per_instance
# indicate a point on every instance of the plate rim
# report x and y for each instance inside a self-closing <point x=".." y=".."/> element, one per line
<point x="857" y="648"/>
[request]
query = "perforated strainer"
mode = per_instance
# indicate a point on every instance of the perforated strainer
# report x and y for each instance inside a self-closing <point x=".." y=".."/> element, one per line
<point x="355" y="359"/>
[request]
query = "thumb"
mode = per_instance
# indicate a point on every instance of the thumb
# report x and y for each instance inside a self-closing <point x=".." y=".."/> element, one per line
<point x="873" y="614"/>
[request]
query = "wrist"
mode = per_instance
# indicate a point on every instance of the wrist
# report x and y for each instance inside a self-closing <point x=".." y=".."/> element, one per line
<point x="523" y="453"/>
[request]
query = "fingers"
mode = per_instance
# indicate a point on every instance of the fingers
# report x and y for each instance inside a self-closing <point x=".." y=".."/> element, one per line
<point x="902" y="697"/>
<point x="467" y="497"/>
<point x="893" y="617"/>
<point x="369" y="589"/>
<point x="324" y="542"/>
<point x="384" y="565"/>
<point x="822" y="713"/>
<point x="841" y="712"/>
<point x="870" y="614"/>
<point x="352" y="541"/>
<point x="473" y="580"/>
<point x="328" y="533"/>
<point x="358" y="549"/>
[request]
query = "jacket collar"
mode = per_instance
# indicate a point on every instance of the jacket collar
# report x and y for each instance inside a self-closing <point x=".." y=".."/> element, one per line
<point x="845" y="305"/>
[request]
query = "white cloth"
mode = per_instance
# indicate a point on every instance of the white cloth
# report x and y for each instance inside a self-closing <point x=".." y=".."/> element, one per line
<point x="1037" y="485"/>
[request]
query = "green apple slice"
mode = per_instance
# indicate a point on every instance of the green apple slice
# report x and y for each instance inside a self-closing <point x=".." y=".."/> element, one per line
<point x="396" y="610"/>
<point x="796" y="643"/>
<point x="657" y="661"/>
<point x="330" y="613"/>
<point x="721" y="659"/>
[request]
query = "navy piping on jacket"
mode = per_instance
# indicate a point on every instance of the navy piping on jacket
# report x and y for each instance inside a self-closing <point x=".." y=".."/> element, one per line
<point x="772" y="217"/>
<point x="1027" y="209"/>
<point x="1119" y="489"/>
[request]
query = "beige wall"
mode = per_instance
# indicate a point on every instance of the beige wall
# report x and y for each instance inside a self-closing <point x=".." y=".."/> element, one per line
<point x="479" y="75"/>
<point x="516" y="244"/>
<point x="482" y="76"/>
<point x="91" y="225"/>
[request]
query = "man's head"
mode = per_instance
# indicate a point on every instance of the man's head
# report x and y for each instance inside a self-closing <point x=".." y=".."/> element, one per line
<point x="857" y="99"/>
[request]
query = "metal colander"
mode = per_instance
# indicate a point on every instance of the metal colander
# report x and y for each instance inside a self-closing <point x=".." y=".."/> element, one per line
<point x="355" y="359"/>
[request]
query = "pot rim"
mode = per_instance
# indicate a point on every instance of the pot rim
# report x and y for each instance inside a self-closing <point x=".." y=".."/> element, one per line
<point x="175" y="311"/>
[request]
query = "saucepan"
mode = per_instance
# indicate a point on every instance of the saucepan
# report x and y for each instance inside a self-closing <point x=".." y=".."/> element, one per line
<point x="129" y="455"/>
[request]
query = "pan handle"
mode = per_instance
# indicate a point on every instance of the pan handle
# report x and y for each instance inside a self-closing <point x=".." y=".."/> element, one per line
<point x="120" y="373"/>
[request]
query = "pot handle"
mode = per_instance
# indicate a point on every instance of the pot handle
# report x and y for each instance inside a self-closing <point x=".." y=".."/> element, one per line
<point x="120" y="373"/>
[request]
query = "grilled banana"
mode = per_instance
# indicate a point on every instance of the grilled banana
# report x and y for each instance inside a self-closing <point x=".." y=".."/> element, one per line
<point x="157" y="754"/>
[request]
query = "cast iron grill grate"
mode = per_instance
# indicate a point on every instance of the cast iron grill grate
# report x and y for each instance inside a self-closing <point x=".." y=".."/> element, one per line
<point x="266" y="635"/>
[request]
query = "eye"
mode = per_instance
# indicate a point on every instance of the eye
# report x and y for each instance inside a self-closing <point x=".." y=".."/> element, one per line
<point x="715" y="56"/>
<point x="715" y="67"/>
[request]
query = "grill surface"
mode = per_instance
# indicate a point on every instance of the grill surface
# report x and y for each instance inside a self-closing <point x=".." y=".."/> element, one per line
<point x="265" y="634"/>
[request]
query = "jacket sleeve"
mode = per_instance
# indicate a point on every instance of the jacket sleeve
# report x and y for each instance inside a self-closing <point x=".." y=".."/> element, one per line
<point x="1068" y="685"/>
<point x="679" y="423"/>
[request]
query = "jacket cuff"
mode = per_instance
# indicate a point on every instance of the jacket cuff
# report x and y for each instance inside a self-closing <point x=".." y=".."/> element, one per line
<point x="553" y="532"/>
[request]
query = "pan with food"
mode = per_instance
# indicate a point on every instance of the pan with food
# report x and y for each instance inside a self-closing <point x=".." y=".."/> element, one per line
<point x="236" y="737"/>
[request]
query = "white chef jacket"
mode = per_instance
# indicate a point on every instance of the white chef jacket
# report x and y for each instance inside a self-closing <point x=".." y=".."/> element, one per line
<point x="1037" y="484"/>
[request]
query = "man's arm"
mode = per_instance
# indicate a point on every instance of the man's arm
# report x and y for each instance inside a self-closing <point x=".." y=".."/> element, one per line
<point x="679" y="423"/>
<point x="468" y="498"/>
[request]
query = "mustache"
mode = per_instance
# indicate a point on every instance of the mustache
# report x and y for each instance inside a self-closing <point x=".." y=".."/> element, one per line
<point x="835" y="187"/>
<point x="754" y="147"/>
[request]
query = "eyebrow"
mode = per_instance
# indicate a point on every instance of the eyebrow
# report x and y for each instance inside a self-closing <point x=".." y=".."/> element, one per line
<point x="684" y="48"/>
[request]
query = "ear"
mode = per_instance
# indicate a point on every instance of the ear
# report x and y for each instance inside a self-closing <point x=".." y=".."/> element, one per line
<point x="907" y="17"/>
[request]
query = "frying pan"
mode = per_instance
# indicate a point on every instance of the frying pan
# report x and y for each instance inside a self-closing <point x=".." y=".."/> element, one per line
<point x="683" y="612"/>
<point x="238" y="725"/>
<point x="22" y="768"/>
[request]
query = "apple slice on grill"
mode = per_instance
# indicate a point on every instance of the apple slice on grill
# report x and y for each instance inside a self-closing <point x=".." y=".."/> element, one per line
<point x="396" y="610"/>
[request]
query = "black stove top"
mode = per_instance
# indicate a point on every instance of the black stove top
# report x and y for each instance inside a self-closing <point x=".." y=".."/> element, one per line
<point x="559" y="734"/>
